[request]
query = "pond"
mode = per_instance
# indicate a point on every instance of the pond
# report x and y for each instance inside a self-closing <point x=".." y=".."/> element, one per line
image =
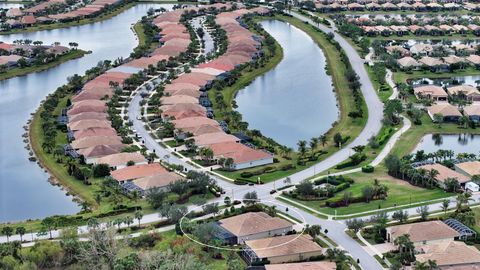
<point x="24" y="190"/>
<point x="473" y="80"/>
<point x="295" y="100"/>
<point x="10" y="5"/>
<point x="459" y="143"/>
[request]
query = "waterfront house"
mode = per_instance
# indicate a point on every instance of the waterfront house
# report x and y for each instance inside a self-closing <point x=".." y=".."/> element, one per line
<point x="204" y="140"/>
<point x="449" y="112"/>
<point x="473" y="112"/>
<point x="469" y="168"/>
<point x="160" y="181"/>
<point x="251" y="226"/>
<point x="432" y="92"/>
<point x="423" y="232"/>
<point x="320" y="265"/>
<point x="474" y="60"/>
<point x="465" y="91"/>
<point x="120" y="160"/>
<point x="93" y="131"/>
<point x="91" y="154"/>
<point x="445" y="173"/>
<point x="90" y="141"/>
<point x="281" y="249"/>
<point x="433" y="64"/>
<point x="131" y="173"/>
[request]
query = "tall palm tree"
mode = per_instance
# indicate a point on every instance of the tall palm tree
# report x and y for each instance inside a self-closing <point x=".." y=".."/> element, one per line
<point x="302" y="147"/>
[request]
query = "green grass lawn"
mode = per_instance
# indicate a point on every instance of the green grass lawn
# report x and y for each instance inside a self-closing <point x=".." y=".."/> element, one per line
<point x="73" y="54"/>
<point x="383" y="95"/>
<point x="403" y="77"/>
<point x="400" y="193"/>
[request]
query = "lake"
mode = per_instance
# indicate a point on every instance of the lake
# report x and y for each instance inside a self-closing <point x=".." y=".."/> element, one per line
<point x="24" y="190"/>
<point x="295" y="100"/>
<point x="459" y="143"/>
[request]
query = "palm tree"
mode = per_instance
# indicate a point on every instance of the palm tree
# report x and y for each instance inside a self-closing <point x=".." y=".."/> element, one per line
<point x="302" y="147"/>
<point x="313" y="144"/>
<point x="323" y="139"/>
<point x="138" y="216"/>
<point x="7" y="231"/>
<point x="432" y="175"/>
<point x="21" y="231"/>
<point x="445" y="204"/>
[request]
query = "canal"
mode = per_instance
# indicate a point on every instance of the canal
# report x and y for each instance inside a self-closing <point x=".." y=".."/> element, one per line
<point x="295" y="100"/>
<point x="459" y="143"/>
<point x="24" y="190"/>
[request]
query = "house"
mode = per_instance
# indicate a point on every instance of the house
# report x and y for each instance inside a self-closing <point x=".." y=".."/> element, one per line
<point x="454" y="61"/>
<point x="434" y="64"/>
<point x="423" y="232"/>
<point x="92" y="131"/>
<point x="320" y="265"/>
<point x="468" y="92"/>
<point x="242" y="155"/>
<point x="121" y="160"/>
<point x="253" y="225"/>
<point x="408" y="62"/>
<point x="90" y="141"/>
<point x="192" y="124"/>
<point x="450" y="255"/>
<point x="91" y="154"/>
<point x="449" y="112"/>
<point x="212" y="138"/>
<point x="393" y="49"/>
<point x="10" y="60"/>
<point x="469" y="168"/>
<point x="281" y="249"/>
<point x="160" y="181"/>
<point x="473" y="112"/>
<point x="445" y="173"/>
<point x="422" y="49"/>
<point x="88" y="123"/>
<point x="131" y="173"/>
<point x="474" y="59"/>
<point x="432" y="92"/>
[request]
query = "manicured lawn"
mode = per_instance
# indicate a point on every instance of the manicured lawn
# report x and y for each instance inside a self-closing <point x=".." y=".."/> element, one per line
<point x="383" y="95"/>
<point x="74" y="54"/>
<point x="400" y="193"/>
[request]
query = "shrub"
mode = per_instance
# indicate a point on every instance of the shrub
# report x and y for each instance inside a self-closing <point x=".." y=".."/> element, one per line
<point x="368" y="169"/>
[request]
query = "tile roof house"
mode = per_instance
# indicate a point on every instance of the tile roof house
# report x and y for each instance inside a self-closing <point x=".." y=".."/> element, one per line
<point x="88" y="115"/>
<point x="408" y="63"/>
<point x="472" y="111"/>
<point x="88" y="123"/>
<point x="321" y="265"/>
<point x="161" y="181"/>
<point x="212" y="138"/>
<point x="90" y="141"/>
<point x="94" y="131"/>
<point x="474" y="59"/>
<point x="423" y="232"/>
<point x="282" y="249"/>
<point x="450" y="255"/>
<point x="444" y="173"/>
<point x="469" y="92"/>
<point x="449" y="112"/>
<point x="91" y="154"/>
<point x="120" y="160"/>
<point x="254" y="225"/>
<point x="434" y="64"/>
<point x="243" y="156"/>
<point x="469" y="168"/>
<point x="137" y="171"/>
<point x="432" y="92"/>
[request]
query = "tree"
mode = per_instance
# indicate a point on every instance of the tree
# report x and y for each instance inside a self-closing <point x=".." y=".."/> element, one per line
<point x="49" y="224"/>
<point x="391" y="111"/>
<point x="438" y="118"/>
<point x="355" y="224"/>
<point x="155" y="197"/>
<point x="287" y="181"/>
<point x="405" y="248"/>
<point x="393" y="164"/>
<point x="313" y="230"/>
<point x="179" y="187"/>
<point x="338" y="140"/>
<point x="302" y="147"/>
<point x="102" y="247"/>
<point x="21" y="231"/>
<point x="423" y="212"/>
<point x="250" y="198"/>
<point x="211" y="208"/>
<point x="400" y="215"/>
<point x="367" y="193"/>
<point x="101" y="170"/>
<point x="305" y="188"/>
<point x="347" y="196"/>
<point x="7" y="231"/>
<point x="173" y="212"/>
<point x="206" y="233"/>
<point x="227" y="201"/>
<point x="129" y="221"/>
<point x="138" y="216"/>
<point x="445" y="204"/>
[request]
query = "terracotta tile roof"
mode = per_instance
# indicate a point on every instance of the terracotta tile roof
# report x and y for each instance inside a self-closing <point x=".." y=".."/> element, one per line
<point x="474" y="59"/>
<point x="86" y="142"/>
<point x="28" y="19"/>
<point x="88" y="115"/>
<point x="211" y="138"/>
<point x="203" y="129"/>
<point x="449" y="253"/>
<point x="119" y="159"/>
<point x="157" y="180"/>
<point x="408" y="62"/>
<point x="95" y="131"/>
<point x="471" y="168"/>
<point x="253" y="223"/>
<point x="430" y="90"/>
<point x="445" y="109"/>
<point x="169" y="88"/>
<point x="193" y="122"/>
<point x="195" y="78"/>
<point x="430" y="61"/>
<point x="445" y="172"/>
<point x="472" y="110"/>
<point x="101" y="150"/>
<point x="322" y="265"/>
<point x="89" y="123"/>
<point x="453" y="59"/>
<point x="87" y="106"/>
<point x="98" y="93"/>
<point x="465" y="89"/>
<point x="170" y="100"/>
<point x="283" y="246"/>
<point x="238" y="152"/>
<point x="424" y="231"/>
<point x="183" y="110"/>
<point x="137" y="171"/>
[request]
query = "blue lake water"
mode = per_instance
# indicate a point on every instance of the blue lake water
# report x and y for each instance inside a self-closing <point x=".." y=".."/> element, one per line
<point x="24" y="190"/>
<point x="459" y="143"/>
<point x="295" y="100"/>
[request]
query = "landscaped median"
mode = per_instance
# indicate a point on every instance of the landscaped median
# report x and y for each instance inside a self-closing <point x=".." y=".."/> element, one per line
<point x="349" y="125"/>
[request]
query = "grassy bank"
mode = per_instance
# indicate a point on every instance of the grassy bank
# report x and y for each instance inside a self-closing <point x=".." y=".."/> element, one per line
<point x="403" y="77"/>
<point x="74" y="54"/>
<point x="347" y="126"/>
